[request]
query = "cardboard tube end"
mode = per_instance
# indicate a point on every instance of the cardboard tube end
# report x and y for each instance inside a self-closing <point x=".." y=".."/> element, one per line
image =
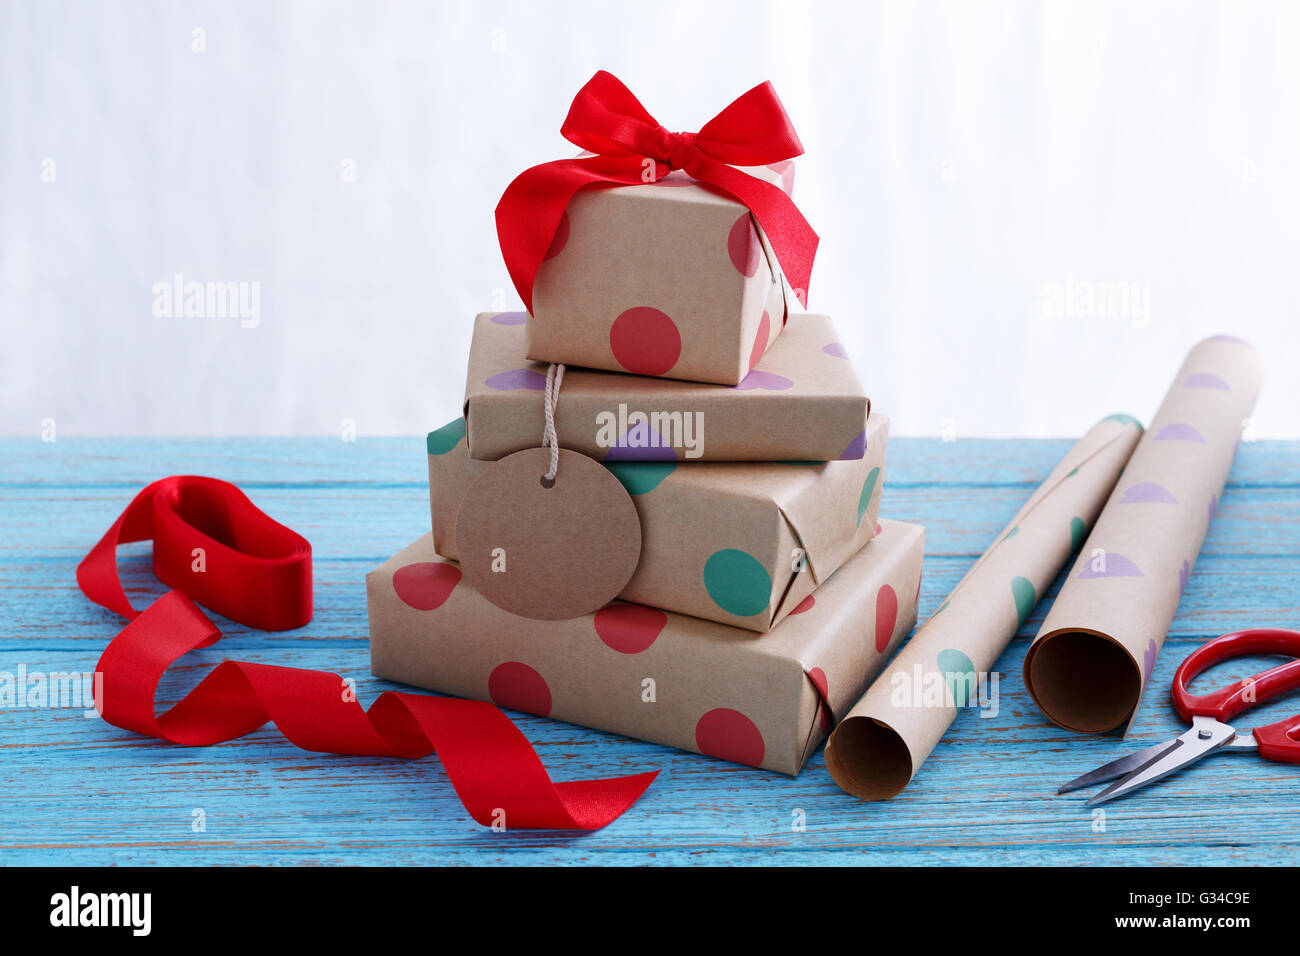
<point x="1082" y="680"/>
<point x="868" y="759"/>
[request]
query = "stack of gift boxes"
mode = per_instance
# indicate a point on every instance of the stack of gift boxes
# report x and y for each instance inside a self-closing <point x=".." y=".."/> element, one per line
<point x="768" y="593"/>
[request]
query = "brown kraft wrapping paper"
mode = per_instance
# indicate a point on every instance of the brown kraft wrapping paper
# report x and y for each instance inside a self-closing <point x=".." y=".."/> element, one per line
<point x="879" y="747"/>
<point x="741" y="543"/>
<point x="1095" y="652"/>
<point x="764" y="700"/>
<point x="666" y="279"/>
<point x="802" y="401"/>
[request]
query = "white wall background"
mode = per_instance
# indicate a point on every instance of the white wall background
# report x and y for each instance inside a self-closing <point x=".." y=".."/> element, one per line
<point x="965" y="161"/>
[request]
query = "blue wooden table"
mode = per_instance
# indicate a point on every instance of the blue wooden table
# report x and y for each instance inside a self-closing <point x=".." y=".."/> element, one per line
<point x="78" y="791"/>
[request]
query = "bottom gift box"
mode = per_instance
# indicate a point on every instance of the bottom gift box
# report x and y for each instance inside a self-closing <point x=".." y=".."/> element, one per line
<point x="767" y="700"/>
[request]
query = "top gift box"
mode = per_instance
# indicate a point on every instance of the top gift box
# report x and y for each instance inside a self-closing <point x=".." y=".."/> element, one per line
<point x="674" y="255"/>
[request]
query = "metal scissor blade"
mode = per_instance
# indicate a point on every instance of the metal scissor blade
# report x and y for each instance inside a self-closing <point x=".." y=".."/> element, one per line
<point x="1118" y="768"/>
<point x="1206" y="736"/>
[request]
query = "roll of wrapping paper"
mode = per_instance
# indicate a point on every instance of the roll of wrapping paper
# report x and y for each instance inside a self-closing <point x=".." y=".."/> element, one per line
<point x="1095" y="652"/>
<point x="884" y="739"/>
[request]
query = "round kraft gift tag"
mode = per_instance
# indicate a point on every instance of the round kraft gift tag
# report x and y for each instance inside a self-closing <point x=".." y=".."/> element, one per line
<point x="548" y="549"/>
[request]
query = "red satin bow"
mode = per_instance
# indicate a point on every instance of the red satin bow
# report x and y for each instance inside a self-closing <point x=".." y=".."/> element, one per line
<point x="606" y="119"/>
<point x="211" y="542"/>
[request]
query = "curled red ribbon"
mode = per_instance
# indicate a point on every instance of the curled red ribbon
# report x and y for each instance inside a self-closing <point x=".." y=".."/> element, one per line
<point x="606" y="119"/>
<point x="216" y="546"/>
<point x="211" y="542"/>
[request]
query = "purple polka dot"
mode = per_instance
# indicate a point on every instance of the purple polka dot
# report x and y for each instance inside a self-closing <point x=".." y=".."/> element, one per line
<point x="1184" y="573"/>
<point x="1111" y="564"/>
<point x="1149" y="660"/>
<point x="835" y="349"/>
<point x="765" y="381"/>
<point x="1205" y="380"/>
<point x="1147" y="492"/>
<point x="1214" y="505"/>
<point x="641" y="443"/>
<point x="516" y="379"/>
<point x="1179" y="431"/>
<point x="856" y="448"/>
<point x="510" y="318"/>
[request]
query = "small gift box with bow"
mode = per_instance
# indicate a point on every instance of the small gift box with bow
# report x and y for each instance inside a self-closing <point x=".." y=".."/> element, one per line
<point x="675" y="255"/>
<point x="766" y="700"/>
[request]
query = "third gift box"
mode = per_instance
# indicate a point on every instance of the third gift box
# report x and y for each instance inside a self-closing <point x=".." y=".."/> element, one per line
<point x="738" y="542"/>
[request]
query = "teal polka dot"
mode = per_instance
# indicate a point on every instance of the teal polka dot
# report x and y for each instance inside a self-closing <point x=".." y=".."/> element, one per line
<point x="868" y="487"/>
<point x="1124" y="420"/>
<point x="737" y="582"/>
<point x="1077" y="530"/>
<point x="1013" y="532"/>
<point x="446" y="438"/>
<point x="641" y="477"/>
<point x="959" y="674"/>
<point x="1023" y="592"/>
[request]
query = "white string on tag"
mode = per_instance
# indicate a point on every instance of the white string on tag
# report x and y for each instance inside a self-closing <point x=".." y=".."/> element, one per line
<point x="554" y="376"/>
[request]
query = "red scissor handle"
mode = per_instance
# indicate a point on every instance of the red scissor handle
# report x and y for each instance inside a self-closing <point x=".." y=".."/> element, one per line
<point x="1276" y="741"/>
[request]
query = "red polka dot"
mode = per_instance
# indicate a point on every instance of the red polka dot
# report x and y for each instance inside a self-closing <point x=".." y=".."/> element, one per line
<point x="517" y="686"/>
<point x="645" y="341"/>
<point x="427" y="584"/>
<point x="886" y="616"/>
<point x="805" y="605"/>
<point x="743" y="246"/>
<point x="729" y="735"/>
<point x="760" y="341"/>
<point x="560" y="239"/>
<point x="879" y="530"/>
<point x="629" y="628"/>
<point x="818" y="678"/>
<point x="784" y="169"/>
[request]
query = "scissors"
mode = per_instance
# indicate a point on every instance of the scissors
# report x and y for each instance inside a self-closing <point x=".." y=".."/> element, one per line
<point x="1209" y="713"/>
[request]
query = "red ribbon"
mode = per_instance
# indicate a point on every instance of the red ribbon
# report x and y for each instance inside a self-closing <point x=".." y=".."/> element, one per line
<point x="212" y="543"/>
<point x="606" y="119"/>
<point x="215" y="545"/>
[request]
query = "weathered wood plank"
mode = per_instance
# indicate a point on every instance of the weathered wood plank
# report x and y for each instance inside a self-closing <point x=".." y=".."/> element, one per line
<point x="41" y="601"/>
<point x="295" y="462"/>
<point x="79" y="791"/>
<point x="988" y="788"/>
